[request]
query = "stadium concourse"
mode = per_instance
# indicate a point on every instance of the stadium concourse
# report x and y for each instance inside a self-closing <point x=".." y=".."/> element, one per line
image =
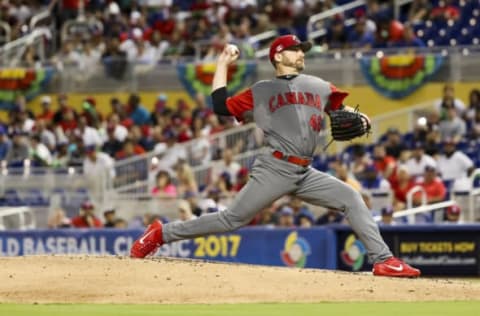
<point x="438" y="154"/>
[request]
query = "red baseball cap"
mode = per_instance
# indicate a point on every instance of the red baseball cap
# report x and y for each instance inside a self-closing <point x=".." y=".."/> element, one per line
<point x="287" y="42"/>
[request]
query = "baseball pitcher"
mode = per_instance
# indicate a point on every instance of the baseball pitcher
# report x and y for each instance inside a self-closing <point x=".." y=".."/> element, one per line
<point x="289" y="109"/>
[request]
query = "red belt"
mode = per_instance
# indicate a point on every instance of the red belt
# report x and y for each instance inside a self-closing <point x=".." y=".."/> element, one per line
<point x="292" y="159"/>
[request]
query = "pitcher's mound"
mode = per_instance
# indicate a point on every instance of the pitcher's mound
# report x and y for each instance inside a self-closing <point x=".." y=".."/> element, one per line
<point x="84" y="279"/>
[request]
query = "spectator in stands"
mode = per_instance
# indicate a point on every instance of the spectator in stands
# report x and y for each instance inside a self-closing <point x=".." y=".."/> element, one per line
<point x="199" y="149"/>
<point x="192" y="199"/>
<point x="402" y="184"/>
<point x="361" y="37"/>
<point x="389" y="31"/>
<point x="227" y="164"/>
<point x="445" y="10"/>
<point x="140" y="135"/>
<point x="454" y="166"/>
<point x="419" y="11"/>
<point x="433" y="186"/>
<point x="341" y="172"/>
<point x="433" y="142"/>
<point x="185" y="211"/>
<point x="336" y="34"/>
<point x="286" y="218"/>
<point x="448" y="99"/>
<point x="330" y="217"/>
<point x="374" y="182"/>
<point x="170" y="150"/>
<point x="111" y="146"/>
<point x="61" y="156"/>
<point x="164" y="186"/>
<point x="90" y="112"/>
<point x="89" y="135"/>
<point x="4" y="143"/>
<point x="114" y="59"/>
<point x="305" y="220"/>
<point x="452" y="214"/>
<point x="387" y="216"/>
<point x="384" y="164"/>
<point x="19" y="150"/>
<point x="452" y="126"/>
<point x="121" y="132"/>
<point x="109" y="218"/>
<point x="137" y="112"/>
<point x="86" y="217"/>
<point x="473" y="105"/>
<point x="64" y="110"/>
<point x="394" y="146"/>
<point x="39" y="153"/>
<point x="299" y="208"/>
<point x="242" y="178"/>
<point x="360" y="161"/>
<point x="475" y="126"/>
<point x="97" y="164"/>
<point x="24" y="121"/>
<point x="415" y="165"/>
<point x="409" y="39"/>
<point x="186" y="178"/>
<point x="46" y="136"/>
<point x="47" y="112"/>
<point x="129" y="149"/>
<point x="59" y="219"/>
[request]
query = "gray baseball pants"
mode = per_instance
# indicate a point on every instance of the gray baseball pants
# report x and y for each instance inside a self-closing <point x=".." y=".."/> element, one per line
<point x="272" y="178"/>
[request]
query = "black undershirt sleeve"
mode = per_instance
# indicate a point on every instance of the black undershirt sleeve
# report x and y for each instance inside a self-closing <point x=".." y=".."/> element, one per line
<point x="219" y="98"/>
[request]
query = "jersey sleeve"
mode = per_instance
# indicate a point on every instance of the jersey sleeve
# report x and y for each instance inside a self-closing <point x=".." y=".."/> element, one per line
<point x="240" y="103"/>
<point x="335" y="99"/>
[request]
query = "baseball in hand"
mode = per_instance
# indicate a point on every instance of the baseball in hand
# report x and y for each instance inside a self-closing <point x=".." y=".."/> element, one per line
<point x="233" y="49"/>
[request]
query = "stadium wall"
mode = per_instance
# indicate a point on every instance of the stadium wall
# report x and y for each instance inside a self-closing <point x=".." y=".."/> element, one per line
<point x="436" y="249"/>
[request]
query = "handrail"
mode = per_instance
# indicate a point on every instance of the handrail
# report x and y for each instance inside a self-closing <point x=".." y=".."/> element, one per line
<point x="323" y="31"/>
<point x="23" y="42"/>
<point x="416" y="210"/>
<point x="410" y="193"/>
<point x="326" y="14"/>
<point x="38" y="17"/>
<point x="186" y="144"/>
<point x="260" y="53"/>
<point x="8" y="31"/>
<point x="20" y="211"/>
<point x="25" y="39"/>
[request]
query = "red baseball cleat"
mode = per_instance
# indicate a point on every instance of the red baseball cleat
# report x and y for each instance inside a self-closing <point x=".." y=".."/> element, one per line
<point x="394" y="267"/>
<point x="149" y="242"/>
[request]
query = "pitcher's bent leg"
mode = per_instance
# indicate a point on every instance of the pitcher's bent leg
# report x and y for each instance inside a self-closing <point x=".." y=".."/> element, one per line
<point x="258" y="193"/>
<point x="322" y="189"/>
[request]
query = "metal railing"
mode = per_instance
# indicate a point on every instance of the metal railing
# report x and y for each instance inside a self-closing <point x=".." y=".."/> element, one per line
<point x="21" y="213"/>
<point x="12" y="52"/>
<point x="314" y="32"/>
<point x="131" y="172"/>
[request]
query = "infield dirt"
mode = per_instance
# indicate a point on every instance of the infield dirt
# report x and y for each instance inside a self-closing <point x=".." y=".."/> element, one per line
<point x="88" y="279"/>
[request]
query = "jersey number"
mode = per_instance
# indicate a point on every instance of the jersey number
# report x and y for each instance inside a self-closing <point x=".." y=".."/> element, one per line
<point x="316" y="122"/>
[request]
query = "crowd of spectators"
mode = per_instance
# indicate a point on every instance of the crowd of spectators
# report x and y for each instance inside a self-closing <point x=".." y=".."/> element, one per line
<point x="431" y="156"/>
<point x="148" y="32"/>
<point x="434" y="155"/>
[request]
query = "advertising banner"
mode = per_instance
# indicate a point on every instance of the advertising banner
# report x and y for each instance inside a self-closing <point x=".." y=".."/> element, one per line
<point x="312" y="248"/>
<point x="434" y="249"/>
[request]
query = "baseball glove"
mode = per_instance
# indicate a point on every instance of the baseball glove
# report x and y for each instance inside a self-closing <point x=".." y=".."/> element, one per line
<point x="346" y="125"/>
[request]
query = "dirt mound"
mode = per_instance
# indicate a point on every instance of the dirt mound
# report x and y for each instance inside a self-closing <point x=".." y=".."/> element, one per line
<point x="84" y="279"/>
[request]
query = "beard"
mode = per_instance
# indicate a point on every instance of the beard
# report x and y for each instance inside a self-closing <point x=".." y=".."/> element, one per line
<point x="298" y="64"/>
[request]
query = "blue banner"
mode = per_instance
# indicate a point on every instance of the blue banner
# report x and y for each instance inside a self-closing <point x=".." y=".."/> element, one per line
<point x="311" y="248"/>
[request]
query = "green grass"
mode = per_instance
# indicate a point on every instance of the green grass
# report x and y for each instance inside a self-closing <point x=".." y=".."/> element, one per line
<point x="341" y="309"/>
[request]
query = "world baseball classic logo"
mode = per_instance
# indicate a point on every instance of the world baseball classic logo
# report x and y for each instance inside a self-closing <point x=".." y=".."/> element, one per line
<point x="296" y="251"/>
<point x="353" y="253"/>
